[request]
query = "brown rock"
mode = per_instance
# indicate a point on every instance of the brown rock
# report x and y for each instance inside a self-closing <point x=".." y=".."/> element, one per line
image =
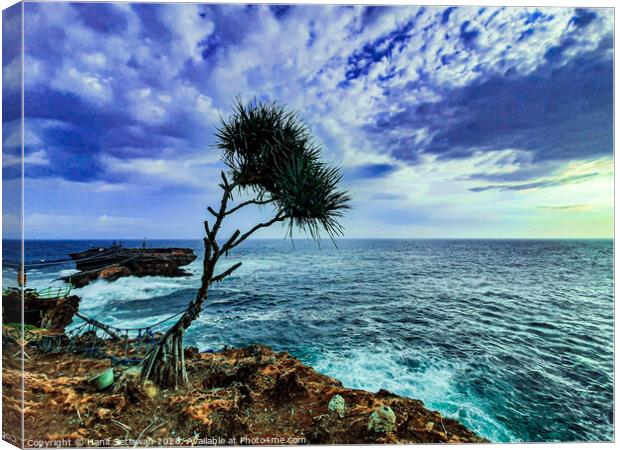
<point x="52" y="313"/>
<point x="116" y="262"/>
<point x="284" y="399"/>
<point x="288" y="387"/>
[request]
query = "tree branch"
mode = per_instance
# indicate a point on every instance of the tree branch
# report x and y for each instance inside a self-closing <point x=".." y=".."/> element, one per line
<point x="224" y="274"/>
<point x="279" y="218"/>
<point x="249" y="202"/>
<point x="98" y="324"/>
<point x="220" y="216"/>
<point x="207" y="258"/>
<point x="230" y="241"/>
<point x="212" y="211"/>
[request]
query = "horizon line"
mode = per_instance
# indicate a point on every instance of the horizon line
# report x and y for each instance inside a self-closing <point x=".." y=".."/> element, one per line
<point x="328" y="239"/>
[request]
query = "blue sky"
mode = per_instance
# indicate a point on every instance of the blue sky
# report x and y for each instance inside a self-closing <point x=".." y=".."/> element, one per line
<point x="448" y="122"/>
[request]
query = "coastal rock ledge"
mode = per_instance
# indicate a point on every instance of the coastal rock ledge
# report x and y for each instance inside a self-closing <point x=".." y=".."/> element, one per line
<point x="116" y="262"/>
<point x="251" y="395"/>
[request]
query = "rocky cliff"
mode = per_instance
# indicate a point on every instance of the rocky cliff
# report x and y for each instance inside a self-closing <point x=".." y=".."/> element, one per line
<point x="238" y="396"/>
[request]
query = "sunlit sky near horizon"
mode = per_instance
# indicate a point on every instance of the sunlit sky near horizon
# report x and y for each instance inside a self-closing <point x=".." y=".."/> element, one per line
<point x="448" y="121"/>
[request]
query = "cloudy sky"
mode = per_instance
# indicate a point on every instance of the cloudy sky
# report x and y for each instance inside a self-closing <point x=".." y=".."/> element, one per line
<point x="448" y="122"/>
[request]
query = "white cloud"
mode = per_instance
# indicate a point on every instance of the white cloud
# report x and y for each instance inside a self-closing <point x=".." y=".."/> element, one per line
<point x="36" y="223"/>
<point x="95" y="59"/>
<point x="12" y="76"/>
<point x="106" y="222"/>
<point x="88" y="85"/>
<point x="192" y="171"/>
<point x="38" y="158"/>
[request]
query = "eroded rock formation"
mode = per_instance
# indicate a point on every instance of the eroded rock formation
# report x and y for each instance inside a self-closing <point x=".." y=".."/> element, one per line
<point x="116" y="262"/>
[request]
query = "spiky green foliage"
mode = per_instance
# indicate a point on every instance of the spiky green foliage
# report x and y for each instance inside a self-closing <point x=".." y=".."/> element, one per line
<point x="271" y="152"/>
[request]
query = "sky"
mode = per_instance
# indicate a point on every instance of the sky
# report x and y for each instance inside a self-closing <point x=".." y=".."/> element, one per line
<point x="448" y="122"/>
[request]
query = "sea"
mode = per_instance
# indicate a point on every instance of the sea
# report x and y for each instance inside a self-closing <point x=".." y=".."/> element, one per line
<point x="514" y="338"/>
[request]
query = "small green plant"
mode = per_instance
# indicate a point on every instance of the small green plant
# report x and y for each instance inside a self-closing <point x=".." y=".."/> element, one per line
<point x="27" y="327"/>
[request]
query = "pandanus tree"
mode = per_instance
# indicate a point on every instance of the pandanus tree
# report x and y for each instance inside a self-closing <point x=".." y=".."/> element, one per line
<point x="271" y="156"/>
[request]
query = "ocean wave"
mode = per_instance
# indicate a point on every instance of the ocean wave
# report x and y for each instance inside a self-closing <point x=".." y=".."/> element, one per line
<point x="98" y="294"/>
<point x="433" y="382"/>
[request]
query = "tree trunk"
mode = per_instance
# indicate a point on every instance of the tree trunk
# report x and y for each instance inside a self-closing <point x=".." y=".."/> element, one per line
<point x="165" y="364"/>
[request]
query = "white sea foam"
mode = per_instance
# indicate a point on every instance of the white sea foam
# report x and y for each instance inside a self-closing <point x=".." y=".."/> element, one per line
<point x="67" y="272"/>
<point x="145" y="322"/>
<point x="435" y="385"/>
<point x="101" y="292"/>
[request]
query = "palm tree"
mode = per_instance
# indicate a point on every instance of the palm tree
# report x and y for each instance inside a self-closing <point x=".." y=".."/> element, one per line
<point x="271" y="155"/>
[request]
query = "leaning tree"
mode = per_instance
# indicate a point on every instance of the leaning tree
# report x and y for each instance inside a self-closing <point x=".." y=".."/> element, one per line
<point x="270" y="155"/>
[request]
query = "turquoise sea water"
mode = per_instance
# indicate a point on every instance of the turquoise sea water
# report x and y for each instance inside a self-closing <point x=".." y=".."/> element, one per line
<point x="513" y="338"/>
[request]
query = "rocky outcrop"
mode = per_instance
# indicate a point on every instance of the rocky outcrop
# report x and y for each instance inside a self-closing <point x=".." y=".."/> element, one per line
<point x="116" y="262"/>
<point x="52" y="313"/>
<point x="238" y="396"/>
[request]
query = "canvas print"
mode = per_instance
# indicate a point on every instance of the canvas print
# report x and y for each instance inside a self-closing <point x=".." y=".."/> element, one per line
<point x="249" y="224"/>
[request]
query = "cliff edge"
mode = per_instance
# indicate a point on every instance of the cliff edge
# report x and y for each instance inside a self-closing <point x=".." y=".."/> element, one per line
<point x="252" y="395"/>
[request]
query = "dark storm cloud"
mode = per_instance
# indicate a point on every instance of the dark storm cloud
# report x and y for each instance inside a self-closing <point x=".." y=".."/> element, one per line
<point x="11" y="98"/>
<point x="371" y="171"/>
<point x="102" y="17"/>
<point x="557" y="113"/>
<point x="360" y="62"/>
<point x="83" y="127"/>
<point x="576" y="207"/>
<point x="77" y="134"/>
<point x="536" y="185"/>
<point x="523" y="174"/>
